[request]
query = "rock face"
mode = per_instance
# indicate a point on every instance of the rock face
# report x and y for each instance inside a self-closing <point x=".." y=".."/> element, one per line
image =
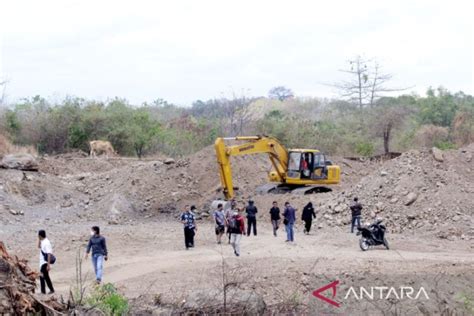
<point x="20" y="162"/>
<point x="437" y="154"/>
<point x="211" y="301"/>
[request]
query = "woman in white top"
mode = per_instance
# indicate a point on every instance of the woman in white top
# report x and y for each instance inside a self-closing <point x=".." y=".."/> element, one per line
<point x="45" y="261"/>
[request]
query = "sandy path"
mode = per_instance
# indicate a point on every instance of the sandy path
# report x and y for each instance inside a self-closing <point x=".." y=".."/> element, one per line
<point x="155" y="259"/>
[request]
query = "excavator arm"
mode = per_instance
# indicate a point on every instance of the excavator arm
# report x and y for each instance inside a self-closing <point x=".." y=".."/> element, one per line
<point x="253" y="145"/>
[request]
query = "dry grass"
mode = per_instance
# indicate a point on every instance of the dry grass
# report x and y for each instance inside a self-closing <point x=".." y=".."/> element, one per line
<point x="6" y="147"/>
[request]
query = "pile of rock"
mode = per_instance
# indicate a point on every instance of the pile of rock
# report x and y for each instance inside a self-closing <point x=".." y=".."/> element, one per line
<point x="428" y="191"/>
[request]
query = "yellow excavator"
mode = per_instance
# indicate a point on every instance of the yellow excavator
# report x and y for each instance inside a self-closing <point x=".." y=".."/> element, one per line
<point x="299" y="171"/>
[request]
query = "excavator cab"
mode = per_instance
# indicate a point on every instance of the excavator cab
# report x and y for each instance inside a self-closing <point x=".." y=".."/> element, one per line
<point x="307" y="165"/>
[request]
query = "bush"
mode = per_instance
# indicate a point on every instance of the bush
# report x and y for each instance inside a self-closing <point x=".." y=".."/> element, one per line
<point x="430" y="135"/>
<point x="463" y="127"/>
<point x="444" y="145"/>
<point x="107" y="299"/>
<point x="365" y="149"/>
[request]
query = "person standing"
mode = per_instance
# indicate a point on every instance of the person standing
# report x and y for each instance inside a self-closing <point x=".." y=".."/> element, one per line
<point x="307" y="216"/>
<point x="45" y="258"/>
<point x="189" y="221"/>
<point x="289" y="221"/>
<point x="275" y="217"/>
<point x="228" y="215"/>
<point x="356" y="209"/>
<point x="220" y="220"/>
<point x="251" y="211"/>
<point x="98" y="246"/>
<point x="237" y="229"/>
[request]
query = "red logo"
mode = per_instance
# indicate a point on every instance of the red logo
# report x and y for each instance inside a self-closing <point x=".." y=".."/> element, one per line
<point x="317" y="293"/>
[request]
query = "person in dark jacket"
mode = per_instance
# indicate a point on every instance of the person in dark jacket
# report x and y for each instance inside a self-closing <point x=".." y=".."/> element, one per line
<point x="189" y="221"/>
<point x="275" y="217"/>
<point x="251" y="211"/>
<point x="356" y="209"/>
<point x="237" y="229"/>
<point x="307" y="216"/>
<point x="99" y="252"/>
<point x="289" y="216"/>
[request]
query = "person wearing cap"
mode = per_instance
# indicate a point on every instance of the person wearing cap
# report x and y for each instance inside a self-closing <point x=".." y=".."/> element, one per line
<point x="237" y="229"/>
<point x="251" y="211"/>
<point x="189" y="221"/>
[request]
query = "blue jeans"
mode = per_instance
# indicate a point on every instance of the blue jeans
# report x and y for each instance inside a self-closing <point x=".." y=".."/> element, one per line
<point x="98" y="263"/>
<point x="354" y="220"/>
<point x="289" y="232"/>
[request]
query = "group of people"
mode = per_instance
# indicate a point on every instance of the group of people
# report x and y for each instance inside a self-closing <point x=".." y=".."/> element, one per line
<point x="97" y="245"/>
<point x="232" y="222"/>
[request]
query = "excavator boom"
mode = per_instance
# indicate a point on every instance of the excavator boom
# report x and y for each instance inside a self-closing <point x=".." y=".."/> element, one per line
<point x="254" y="145"/>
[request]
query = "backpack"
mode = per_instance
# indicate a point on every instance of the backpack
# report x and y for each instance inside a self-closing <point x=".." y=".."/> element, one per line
<point x="234" y="224"/>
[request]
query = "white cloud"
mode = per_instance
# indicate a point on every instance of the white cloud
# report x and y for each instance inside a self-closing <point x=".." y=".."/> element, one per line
<point x="187" y="50"/>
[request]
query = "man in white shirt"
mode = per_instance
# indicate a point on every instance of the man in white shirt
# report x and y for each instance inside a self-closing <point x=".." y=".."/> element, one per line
<point x="46" y="251"/>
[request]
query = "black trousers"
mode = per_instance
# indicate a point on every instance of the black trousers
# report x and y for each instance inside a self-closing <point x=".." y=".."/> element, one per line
<point x="307" y="224"/>
<point x="44" y="278"/>
<point x="252" y="222"/>
<point x="188" y="237"/>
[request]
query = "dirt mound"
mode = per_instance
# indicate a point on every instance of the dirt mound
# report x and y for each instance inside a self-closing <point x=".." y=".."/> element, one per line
<point x="417" y="192"/>
<point x="17" y="287"/>
<point x="122" y="189"/>
<point x="411" y="192"/>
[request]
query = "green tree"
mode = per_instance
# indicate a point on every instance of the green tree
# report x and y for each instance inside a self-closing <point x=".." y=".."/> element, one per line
<point x="281" y="93"/>
<point x="12" y="123"/>
<point x="438" y="108"/>
<point x="143" y="131"/>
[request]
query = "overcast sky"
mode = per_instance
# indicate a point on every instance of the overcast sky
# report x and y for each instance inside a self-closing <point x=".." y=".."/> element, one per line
<point x="187" y="50"/>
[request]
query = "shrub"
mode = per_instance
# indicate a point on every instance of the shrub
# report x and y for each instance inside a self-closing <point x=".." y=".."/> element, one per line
<point x="107" y="299"/>
<point x="430" y="135"/>
<point x="463" y="128"/>
<point x="445" y="145"/>
<point x="365" y="149"/>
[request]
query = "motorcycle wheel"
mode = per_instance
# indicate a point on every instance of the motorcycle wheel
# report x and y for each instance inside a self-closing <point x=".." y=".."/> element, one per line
<point x="363" y="244"/>
<point x="385" y="242"/>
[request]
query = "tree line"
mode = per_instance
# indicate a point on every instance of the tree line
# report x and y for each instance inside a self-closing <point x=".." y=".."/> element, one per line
<point x="338" y="127"/>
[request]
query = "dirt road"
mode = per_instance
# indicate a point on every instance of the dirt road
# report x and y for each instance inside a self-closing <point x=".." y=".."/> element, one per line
<point x="149" y="258"/>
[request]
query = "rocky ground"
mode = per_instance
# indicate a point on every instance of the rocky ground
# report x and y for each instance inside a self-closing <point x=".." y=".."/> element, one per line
<point x="424" y="197"/>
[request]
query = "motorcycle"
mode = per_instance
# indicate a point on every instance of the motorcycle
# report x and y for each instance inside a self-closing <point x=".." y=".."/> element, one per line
<point x="372" y="235"/>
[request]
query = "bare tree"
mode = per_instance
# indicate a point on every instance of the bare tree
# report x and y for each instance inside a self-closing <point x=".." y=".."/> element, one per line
<point x="367" y="82"/>
<point x="281" y="93"/>
<point x="236" y="114"/>
<point x="3" y="85"/>
<point x="386" y="118"/>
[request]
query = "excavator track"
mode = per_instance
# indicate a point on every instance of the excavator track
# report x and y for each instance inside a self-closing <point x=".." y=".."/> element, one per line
<point x="275" y="188"/>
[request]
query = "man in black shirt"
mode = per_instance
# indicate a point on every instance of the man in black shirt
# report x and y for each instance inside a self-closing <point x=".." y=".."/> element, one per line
<point x="275" y="217"/>
<point x="251" y="211"/>
<point x="356" y="209"/>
